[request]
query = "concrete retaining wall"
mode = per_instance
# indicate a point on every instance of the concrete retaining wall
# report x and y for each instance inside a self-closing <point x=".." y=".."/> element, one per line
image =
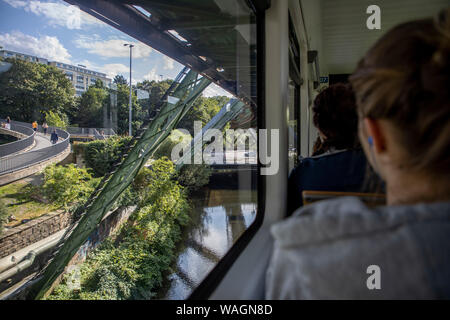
<point x="32" y="231"/>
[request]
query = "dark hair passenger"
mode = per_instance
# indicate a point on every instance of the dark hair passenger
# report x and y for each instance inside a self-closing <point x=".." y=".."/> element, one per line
<point x="338" y="164"/>
<point x="341" y="248"/>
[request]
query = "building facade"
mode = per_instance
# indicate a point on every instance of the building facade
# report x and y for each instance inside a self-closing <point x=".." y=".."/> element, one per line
<point x="80" y="77"/>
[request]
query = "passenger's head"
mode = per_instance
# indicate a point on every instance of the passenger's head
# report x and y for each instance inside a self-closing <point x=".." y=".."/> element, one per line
<point x="334" y="115"/>
<point x="403" y="98"/>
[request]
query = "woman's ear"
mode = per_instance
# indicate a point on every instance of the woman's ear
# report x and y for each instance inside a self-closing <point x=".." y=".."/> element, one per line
<point x="375" y="135"/>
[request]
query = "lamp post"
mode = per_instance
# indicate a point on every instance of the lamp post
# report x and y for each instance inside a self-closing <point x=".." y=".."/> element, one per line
<point x="130" y="114"/>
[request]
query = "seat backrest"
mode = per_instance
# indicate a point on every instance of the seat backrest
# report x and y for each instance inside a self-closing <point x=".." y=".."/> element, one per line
<point x="370" y="199"/>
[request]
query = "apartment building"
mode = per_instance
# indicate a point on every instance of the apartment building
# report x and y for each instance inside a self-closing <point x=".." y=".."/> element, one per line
<point x="80" y="76"/>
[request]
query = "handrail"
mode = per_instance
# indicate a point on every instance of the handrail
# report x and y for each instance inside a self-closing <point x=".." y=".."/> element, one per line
<point x="19" y="145"/>
<point x="24" y="160"/>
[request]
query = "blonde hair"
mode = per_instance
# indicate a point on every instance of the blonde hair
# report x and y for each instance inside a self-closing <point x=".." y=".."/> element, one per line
<point x="405" y="78"/>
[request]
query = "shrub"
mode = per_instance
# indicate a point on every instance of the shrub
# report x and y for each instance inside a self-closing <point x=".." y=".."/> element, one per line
<point x="100" y="155"/>
<point x="3" y="216"/>
<point x="56" y="120"/>
<point x="134" y="268"/>
<point x="65" y="184"/>
<point x="194" y="176"/>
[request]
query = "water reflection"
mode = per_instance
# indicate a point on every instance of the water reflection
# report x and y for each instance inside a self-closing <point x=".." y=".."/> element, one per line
<point x="219" y="218"/>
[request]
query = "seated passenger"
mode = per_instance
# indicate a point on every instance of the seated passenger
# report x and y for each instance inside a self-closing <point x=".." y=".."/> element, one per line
<point x="338" y="163"/>
<point x="340" y="248"/>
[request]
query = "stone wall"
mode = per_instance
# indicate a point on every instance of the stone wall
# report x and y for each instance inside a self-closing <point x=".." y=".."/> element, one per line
<point x="32" y="231"/>
<point x="110" y="224"/>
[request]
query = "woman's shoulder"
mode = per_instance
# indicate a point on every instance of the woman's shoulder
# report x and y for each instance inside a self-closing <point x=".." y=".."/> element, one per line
<point x="349" y="217"/>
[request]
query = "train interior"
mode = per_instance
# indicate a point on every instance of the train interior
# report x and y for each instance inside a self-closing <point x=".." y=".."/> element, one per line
<point x="272" y="57"/>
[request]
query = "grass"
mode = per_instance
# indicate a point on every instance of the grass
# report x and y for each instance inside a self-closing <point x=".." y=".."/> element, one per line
<point x="19" y="202"/>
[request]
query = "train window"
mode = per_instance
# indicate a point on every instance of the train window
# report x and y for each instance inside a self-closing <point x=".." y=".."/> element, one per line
<point x="164" y="222"/>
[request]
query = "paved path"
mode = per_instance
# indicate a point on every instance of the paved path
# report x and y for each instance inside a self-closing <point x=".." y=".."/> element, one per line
<point x="42" y="141"/>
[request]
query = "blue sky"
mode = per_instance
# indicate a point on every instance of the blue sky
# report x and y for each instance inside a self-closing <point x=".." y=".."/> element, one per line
<point x="59" y="32"/>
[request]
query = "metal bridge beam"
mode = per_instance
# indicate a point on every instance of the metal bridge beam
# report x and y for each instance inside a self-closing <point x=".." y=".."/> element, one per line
<point x="114" y="184"/>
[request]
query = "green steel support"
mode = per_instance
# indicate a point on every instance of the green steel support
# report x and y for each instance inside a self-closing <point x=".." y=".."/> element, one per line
<point x="111" y="187"/>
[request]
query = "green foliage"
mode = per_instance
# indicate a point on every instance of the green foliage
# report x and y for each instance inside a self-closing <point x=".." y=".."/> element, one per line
<point x="90" y="110"/>
<point x="133" y="268"/>
<point x="3" y="216"/>
<point x="100" y="155"/>
<point x="64" y="185"/>
<point x="204" y="109"/>
<point x="156" y="90"/>
<point x="31" y="89"/>
<point x="120" y="79"/>
<point x="175" y="137"/>
<point x="123" y="97"/>
<point x="56" y="120"/>
<point x="194" y="176"/>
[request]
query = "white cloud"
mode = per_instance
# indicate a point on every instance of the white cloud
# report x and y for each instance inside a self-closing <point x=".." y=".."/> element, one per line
<point x="112" y="69"/>
<point x="152" y="75"/>
<point x="57" y="14"/>
<point x="214" y="90"/>
<point x="113" y="48"/>
<point x="168" y="63"/>
<point x="44" y="46"/>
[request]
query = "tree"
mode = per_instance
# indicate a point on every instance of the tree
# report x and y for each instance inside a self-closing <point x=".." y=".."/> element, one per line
<point x="90" y="109"/>
<point x="123" y="94"/>
<point x="120" y="79"/>
<point x="56" y="120"/>
<point x="204" y="109"/>
<point x="28" y="90"/>
<point x="156" y="90"/>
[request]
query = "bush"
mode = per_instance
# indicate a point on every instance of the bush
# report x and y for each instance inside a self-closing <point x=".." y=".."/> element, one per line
<point x="3" y="216"/>
<point x="54" y="119"/>
<point x="134" y="268"/>
<point x="65" y="184"/>
<point x="100" y="155"/>
<point x="194" y="176"/>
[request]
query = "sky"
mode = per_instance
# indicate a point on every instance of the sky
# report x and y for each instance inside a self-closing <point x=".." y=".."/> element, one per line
<point x="56" y="31"/>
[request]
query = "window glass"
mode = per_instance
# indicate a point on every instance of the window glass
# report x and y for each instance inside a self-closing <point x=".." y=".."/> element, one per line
<point x="178" y="218"/>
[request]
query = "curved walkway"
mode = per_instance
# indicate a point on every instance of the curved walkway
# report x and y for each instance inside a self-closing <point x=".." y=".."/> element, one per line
<point x="42" y="141"/>
<point x="43" y="153"/>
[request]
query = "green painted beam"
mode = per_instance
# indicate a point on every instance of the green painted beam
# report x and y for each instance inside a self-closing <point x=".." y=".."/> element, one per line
<point x="110" y="188"/>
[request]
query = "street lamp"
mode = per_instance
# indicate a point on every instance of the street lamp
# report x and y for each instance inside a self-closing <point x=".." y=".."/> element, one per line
<point x="130" y="117"/>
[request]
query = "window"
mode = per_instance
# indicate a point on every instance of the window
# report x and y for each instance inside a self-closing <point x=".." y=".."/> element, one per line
<point x="218" y="187"/>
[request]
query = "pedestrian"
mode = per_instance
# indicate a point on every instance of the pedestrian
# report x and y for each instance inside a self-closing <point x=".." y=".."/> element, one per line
<point x="8" y="123"/>
<point x="54" y="137"/>
<point x="35" y="126"/>
<point x="45" y="127"/>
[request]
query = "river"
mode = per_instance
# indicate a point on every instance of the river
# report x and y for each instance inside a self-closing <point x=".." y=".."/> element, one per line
<point x="219" y="217"/>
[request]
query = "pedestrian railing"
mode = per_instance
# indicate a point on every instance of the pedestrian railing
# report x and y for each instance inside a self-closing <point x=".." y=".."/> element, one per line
<point x="17" y="162"/>
<point x="19" y="145"/>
